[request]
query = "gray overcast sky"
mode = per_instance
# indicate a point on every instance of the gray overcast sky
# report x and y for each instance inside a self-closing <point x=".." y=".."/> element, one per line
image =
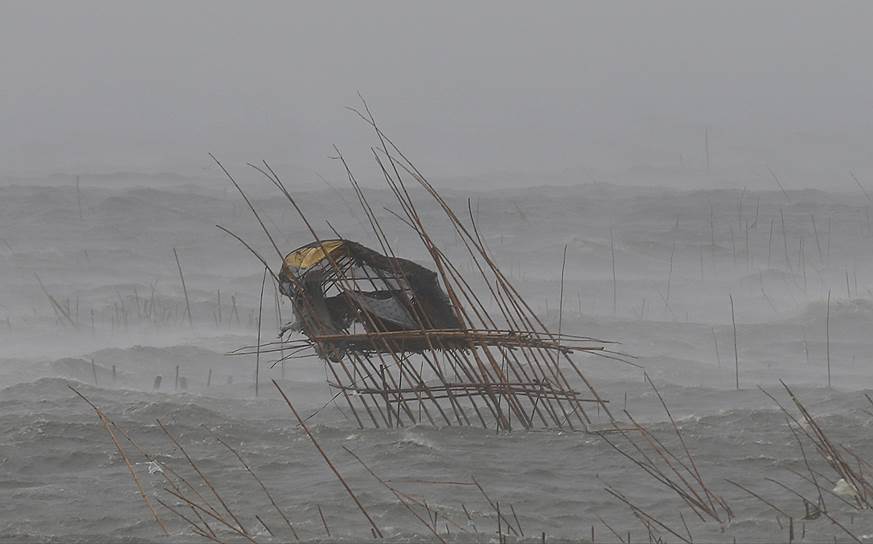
<point x="470" y="89"/>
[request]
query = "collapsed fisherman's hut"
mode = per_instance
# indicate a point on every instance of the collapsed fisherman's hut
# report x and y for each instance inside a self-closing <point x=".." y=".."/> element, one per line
<point x="404" y="343"/>
<point x="338" y="287"/>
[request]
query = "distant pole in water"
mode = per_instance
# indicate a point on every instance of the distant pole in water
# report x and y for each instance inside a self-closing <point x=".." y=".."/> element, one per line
<point x="736" y="353"/>
<point x="176" y="385"/>
<point x="209" y="378"/>
<point x="828" y="336"/>
<point x="561" y="301"/>
<point x="785" y="240"/>
<point x="94" y="371"/>
<point x="779" y="183"/>
<point x="113" y="374"/>
<point x="828" y="241"/>
<point x="803" y="264"/>
<point x="258" y="349"/>
<point x="323" y="521"/>
<point x="670" y="272"/>
<point x="612" y="251"/>
<point x="817" y="242"/>
<point x="184" y="288"/>
<point x="715" y="341"/>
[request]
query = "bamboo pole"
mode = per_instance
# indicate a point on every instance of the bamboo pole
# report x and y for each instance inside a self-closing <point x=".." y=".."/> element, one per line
<point x="105" y="422"/>
<point x="828" y="337"/>
<point x="184" y="289"/>
<point x="614" y="285"/>
<point x="328" y="461"/>
<point x="260" y="315"/>
<point x="736" y="352"/>
<point x="263" y="487"/>
<point x="561" y="297"/>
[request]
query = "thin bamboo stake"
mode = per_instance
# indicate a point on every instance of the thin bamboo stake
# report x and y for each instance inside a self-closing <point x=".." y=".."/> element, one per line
<point x="561" y="301"/>
<point x="669" y="273"/>
<point x="184" y="289"/>
<point x="431" y="527"/>
<point x="253" y="252"/>
<point x="328" y="461"/>
<point x="715" y="342"/>
<point x="694" y="470"/>
<point x="785" y="240"/>
<point x="828" y="336"/>
<point x="212" y="515"/>
<point x="193" y="524"/>
<point x="279" y="325"/>
<point x="55" y="304"/>
<point x="779" y="183"/>
<point x="250" y="205"/>
<point x="269" y="531"/>
<point x="260" y="315"/>
<point x="864" y="190"/>
<point x="239" y="528"/>
<point x="637" y="510"/>
<point x="759" y="497"/>
<point x="323" y="521"/>
<point x="612" y="253"/>
<point x="105" y="422"/>
<point x="263" y="487"/>
<point x="613" y="531"/>
<point x="495" y="506"/>
<point x="736" y="353"/>
<point x="817" y="242"/>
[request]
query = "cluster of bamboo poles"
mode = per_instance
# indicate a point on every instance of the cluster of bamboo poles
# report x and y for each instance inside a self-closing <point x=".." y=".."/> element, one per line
<point x="675" y="471"/>
<point x="845" y="479"/>
<point x="500" y="370"/>
<point x="193" y="499"/>
<point x="847" y="484"/>
<point x="196" y="502"/>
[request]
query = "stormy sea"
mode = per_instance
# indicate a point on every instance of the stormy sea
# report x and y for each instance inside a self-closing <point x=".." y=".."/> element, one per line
<point x="714" y="295"/>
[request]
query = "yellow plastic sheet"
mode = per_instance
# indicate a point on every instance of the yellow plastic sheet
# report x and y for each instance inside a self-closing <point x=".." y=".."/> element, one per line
<point x="310" y="256"/>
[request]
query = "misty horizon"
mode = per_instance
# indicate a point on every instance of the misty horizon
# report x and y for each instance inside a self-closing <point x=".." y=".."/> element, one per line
<point x="500" y="93"/>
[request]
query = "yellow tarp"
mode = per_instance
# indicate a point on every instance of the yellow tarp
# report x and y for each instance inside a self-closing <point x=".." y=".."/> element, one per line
<point x="310" y="256"/>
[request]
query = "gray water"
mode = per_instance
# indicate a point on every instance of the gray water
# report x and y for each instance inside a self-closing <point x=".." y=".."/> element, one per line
<point x="61" y="479"/>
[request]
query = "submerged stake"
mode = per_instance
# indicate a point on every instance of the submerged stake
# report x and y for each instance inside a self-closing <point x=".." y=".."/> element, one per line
<point x="736" y="353"/>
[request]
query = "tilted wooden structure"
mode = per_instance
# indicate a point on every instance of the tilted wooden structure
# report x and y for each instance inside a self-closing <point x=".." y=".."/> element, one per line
<point x="403" y="344"/>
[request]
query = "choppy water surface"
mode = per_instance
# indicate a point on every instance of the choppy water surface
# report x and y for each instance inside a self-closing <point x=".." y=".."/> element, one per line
<point x="61" y="479"/>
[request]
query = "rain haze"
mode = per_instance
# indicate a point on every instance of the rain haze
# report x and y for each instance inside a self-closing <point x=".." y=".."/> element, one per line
<point x="575" y="92"/>
<point x="629" y="289"/>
